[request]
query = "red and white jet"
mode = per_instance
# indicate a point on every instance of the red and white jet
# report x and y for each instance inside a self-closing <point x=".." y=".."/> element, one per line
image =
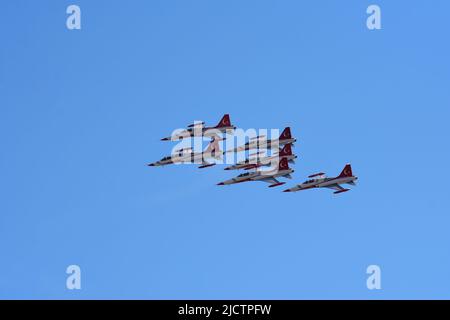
<point x="199" y="130"/>
<point x="261" y="142"/>
<point x="187" y="155"/>
<point x="282" y="170"/>
<point x="319" y="180"/>
<point x="258" y="161"/>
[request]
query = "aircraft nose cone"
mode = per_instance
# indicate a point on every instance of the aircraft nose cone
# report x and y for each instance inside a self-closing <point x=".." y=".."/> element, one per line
<point x="151" y="165"/>
<point x="221" y="184"/>
<point x="226" y="169"/>
<point x="287" y="190"/>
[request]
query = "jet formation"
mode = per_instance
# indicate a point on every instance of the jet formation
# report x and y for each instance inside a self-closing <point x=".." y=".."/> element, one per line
<point x="281" y="155"/>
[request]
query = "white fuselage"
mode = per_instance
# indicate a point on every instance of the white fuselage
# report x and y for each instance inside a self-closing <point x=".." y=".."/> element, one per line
<point x="193" y="157"/>
<point x="258" y="175"/>
<point x="325" y="182"/>
<point x="263" y="144"/>
<point x="199" y="132"/>
<point x="259" y="161"/>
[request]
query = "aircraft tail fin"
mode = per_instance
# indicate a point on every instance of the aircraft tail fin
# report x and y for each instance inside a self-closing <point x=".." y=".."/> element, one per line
<point x="213" y="148"/>
<point x="224" y="122"/>
<point x="286" y="134"/>
<point x="286" y="151"/>
<point x="283" y="164"/>
<point x="347" y="171"/>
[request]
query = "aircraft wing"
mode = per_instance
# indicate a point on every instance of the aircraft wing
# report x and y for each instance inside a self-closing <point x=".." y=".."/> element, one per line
<point x="335" y="187"/>
<point x="270" y="180"/>
<point x="273" y="182"/>
<point x="206" y="164"/>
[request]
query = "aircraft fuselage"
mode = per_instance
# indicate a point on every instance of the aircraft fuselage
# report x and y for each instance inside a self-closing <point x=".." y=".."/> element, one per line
<point x="263" y="144"/>
<point x="325" y="182"/>
<point x="262" y="161"/>
<point x="257" y="175"/>
<point x="199" y="132"/>
<point x="197" y="157"/>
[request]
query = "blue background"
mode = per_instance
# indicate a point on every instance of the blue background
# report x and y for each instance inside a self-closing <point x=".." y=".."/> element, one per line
<point x="82" y="113"/>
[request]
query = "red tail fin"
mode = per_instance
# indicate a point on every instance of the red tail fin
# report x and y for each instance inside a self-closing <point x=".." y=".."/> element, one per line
<point x="286" y="134"/>
<point x="286" y="151"/>
<point x="213" y="146"/>
<point x="347" y="171"/>
<point x="283" y="165"/>
<point x="224" y="122"/>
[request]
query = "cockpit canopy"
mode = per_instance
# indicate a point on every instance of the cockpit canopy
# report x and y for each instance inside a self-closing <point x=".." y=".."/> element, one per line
<point x="244" y="174"/>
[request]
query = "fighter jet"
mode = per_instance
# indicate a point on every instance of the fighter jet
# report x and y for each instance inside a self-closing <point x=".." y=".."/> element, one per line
<point x="282" y="170"/>
<point x="319" y="180"/>
<point x="198" y="129"/>
<point x="262" y="160"/>
<point x="187" y="155"/>
<point x="261" y="142"/>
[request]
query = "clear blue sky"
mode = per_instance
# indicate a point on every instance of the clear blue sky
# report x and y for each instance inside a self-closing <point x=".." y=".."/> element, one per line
<point x="82" y="112"/>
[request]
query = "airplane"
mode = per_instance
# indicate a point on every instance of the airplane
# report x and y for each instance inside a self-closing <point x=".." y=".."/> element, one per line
<point x="319" y="180"/>
<point x="258" y="161"/>
<point x="269" y="176"/>
<point x="186" y="155"/>
<point x="262" y="142"/>
<point x="198" y="129"/>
